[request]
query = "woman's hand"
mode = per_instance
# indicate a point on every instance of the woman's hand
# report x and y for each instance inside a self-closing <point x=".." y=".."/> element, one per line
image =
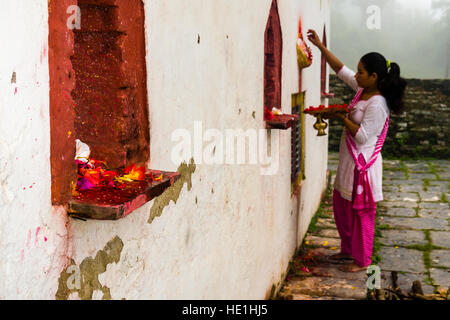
<point x="333" y="115"/>
<point x="334" y="62"/>
<point x="314" y="38"/>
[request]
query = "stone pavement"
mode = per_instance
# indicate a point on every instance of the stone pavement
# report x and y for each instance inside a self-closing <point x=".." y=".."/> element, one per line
<point x="412" y="237"/>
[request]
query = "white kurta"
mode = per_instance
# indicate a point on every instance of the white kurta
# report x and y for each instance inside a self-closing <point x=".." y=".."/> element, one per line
<point x="371" y="115"/>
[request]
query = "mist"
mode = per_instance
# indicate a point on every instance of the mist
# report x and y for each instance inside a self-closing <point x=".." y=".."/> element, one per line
<point x="414" y="34"/>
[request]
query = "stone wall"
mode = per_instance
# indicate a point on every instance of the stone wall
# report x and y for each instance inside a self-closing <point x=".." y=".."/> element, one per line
<point x="420" y="131"/>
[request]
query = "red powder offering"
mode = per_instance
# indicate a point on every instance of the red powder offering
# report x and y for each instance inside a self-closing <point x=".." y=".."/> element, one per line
<point x="107" y="195"/>
<point x="117" y="200"/>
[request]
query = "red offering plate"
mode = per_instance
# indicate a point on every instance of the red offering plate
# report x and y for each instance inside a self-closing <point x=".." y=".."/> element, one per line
<point x="330" y="110"/>
<point x="322" y="111"/>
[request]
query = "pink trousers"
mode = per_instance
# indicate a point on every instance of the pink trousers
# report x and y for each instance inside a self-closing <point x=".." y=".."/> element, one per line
<point x="355" y="229"/>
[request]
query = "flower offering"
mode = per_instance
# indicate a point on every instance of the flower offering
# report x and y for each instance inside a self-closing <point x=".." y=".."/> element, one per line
<point x="304" y="54"/>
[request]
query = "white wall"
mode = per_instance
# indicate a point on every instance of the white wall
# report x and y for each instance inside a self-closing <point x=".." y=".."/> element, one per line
<point x="316" y="148"/>
<point x="236" y="240"/>
<point x="33" y="236"/>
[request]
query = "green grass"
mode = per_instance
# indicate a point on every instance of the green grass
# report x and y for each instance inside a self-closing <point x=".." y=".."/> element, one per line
<point x="428" y="280"/>
<point x="384" y="227"/>
<point x="444" y="198"/>
<point x="312" y="228"/>
<point x="404" y="168"/>
<point x="313" y="224"/>
<point x="426" y="184"/>
<point x="426" y="249"/>
<point x="433" y="170"/>
<point x="376" y="258"/>
<point x="420" y="247"/>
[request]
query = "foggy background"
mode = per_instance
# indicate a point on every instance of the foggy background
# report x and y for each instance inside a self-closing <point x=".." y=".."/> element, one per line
<point x="413" y="33"/>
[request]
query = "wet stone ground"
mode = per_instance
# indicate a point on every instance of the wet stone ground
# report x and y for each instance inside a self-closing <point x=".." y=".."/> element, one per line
<point x="412" y="237"/>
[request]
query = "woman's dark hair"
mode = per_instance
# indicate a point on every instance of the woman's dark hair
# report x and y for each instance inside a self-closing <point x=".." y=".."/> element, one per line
<point x="390" y="84"/>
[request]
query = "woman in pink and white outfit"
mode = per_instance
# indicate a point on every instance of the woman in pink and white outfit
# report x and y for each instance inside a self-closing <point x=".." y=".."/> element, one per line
<point x="358" y="184"/>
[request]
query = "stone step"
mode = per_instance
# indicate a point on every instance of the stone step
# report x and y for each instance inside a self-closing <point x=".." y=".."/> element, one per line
<point x="307" y="297"/>
<point x="405" y="281"/>
<point x="329" y="233"/>
<point x="326" y="223"/>
<point x="330" y="287"/>
<point x="323" y="241"/>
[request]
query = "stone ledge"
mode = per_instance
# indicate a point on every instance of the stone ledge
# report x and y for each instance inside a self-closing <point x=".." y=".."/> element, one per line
<point x="282" y="122"/>
<point x="104" y="209"/>
<point x="331" y="287"/>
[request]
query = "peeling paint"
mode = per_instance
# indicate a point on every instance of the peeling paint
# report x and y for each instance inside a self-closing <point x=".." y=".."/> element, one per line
<point x="173" y="193"/>
<point x="89" y="270"/>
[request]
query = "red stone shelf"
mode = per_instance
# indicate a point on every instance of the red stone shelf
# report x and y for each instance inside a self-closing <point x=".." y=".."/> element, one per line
<point x="283" y="122"/>
<point x="106" y="203"/>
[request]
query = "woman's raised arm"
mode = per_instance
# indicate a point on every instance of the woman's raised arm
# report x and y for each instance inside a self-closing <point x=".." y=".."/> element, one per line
<point x="332" y="60"/>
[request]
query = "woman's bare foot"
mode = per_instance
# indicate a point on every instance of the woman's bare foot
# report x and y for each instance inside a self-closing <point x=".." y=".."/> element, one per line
<point x="352" y="267"/>
<point x="340" y="256"/>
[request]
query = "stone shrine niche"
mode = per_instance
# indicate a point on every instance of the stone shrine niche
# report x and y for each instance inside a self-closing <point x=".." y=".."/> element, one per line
<point x="273" y="49"/>
<point x="110" y="92"/>
<point x="98" y="90"/>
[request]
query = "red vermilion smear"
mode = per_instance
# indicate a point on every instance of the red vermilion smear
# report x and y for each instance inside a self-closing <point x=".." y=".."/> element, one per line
<point x="37" y="232"/>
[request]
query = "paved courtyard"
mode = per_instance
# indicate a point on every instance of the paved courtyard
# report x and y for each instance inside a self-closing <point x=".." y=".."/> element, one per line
<point x="412" y="238"/>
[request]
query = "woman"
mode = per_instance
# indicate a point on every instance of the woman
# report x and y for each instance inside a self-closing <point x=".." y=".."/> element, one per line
<point x="358" y="182"/>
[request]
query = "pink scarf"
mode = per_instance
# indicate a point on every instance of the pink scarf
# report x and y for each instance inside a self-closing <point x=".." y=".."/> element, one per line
<point x="362" y="191"/>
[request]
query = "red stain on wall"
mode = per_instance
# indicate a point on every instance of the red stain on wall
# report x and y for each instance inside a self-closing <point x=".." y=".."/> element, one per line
<point x="28" y="238"/>
<point x="36" y="238"/>
<point x="43" y="54"/>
